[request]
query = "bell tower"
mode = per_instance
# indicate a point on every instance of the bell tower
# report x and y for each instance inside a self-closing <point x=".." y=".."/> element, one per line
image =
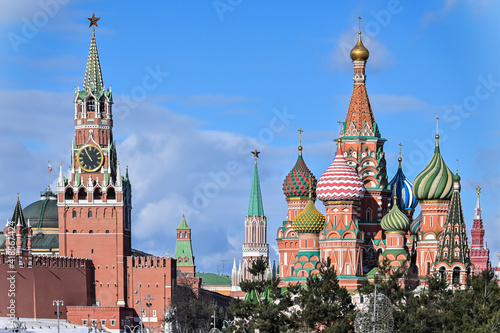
<point x="363" y="146"/>
<point x="95" y="202"/>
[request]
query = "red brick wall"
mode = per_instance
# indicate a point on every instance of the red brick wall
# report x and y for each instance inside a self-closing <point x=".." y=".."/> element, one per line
<point x="49" y="278"/>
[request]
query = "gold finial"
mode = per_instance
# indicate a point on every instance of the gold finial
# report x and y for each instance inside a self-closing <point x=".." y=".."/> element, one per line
<point x="359" y="22"/>
<point x="310" y="187"/>
<point x="395" y="194"/>
<point x="93" y="21"/>
<point x="437" y="127"/>
<point x="300" y="138"/>
<point x="478" y="189"/>
<point x="400" y="158"/>
<point x="255" y="154"/>
<point x="457" y="165"/>
<point x="339" y="141"/>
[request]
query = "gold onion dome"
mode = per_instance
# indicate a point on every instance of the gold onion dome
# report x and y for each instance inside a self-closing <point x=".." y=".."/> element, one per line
<point x="395" y="220"/>
<point x="359" y="51"/>
<point x="310" y="220"/>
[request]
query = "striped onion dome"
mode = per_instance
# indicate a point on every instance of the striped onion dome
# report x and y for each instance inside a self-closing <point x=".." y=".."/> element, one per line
<point x="310" y="220"/>
<point x="296" y="183"/>
<point x="416" y="224"/>
<point x="340" y="182"/>
<point x="436" y="181"/>
<point x="395" y="220"/>
<point x="403" y="189"/>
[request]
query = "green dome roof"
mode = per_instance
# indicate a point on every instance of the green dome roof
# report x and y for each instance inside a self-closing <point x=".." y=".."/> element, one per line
<point x="435" y="182"/>
<point x="43" y="213"/>
<point x="310" y="220"/>
<point x="395" y="220"/>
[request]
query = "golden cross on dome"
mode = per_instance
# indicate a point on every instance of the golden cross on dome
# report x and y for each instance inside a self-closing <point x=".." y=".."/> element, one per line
<point x="437" y="124"/>
<point x="255" y="154"/>
<point x="93" y="20"/>
<point x="340" y="126"/>
<point x="457" y="165"/>
<point x="400" y="145"/>
<point x="478" y="189"/>
<point x="300" y="136"/>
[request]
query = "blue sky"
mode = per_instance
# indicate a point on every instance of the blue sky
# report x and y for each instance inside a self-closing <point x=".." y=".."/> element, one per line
<point x="199" y="85"/>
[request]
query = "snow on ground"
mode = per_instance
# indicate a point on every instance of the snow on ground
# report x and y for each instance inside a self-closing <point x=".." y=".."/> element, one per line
<point x="42" y="326"/>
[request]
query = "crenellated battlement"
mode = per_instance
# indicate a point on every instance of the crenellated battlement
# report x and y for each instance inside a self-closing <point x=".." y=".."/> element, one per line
<point x="148" y="262"/>
<point x="47" y="261"/>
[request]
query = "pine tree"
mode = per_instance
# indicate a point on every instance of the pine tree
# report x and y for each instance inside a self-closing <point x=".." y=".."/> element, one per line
<point x="266" y="307"/>
<point x="325" y="306"/>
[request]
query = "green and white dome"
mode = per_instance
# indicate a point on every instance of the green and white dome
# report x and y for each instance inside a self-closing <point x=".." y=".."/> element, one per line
<point x="435" y="182"/>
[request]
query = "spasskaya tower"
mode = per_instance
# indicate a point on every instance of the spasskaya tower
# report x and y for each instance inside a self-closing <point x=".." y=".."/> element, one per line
<point x="95" y="202"/>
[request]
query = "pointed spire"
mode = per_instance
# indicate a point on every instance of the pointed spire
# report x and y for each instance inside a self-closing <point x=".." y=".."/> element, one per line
<point x="255" y="208"/>
<point x="183" y="247"/>
<point x="360" y="120"/>
<point x="477" y="210"/>
<point x="17" y="215"/>
<point x="60" y="180"/>
<point x="93" y="76"/>
<point x="454" y="231"/>
<point x="183" y="224"/>
<point x="118" y="181"/>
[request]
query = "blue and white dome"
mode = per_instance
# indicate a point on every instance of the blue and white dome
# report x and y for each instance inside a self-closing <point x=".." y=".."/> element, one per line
<point x="404" y="191"/>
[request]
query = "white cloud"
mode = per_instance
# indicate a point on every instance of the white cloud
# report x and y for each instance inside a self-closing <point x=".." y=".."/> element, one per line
<point x="476" y="6"/>
<point x="389" y="104"/>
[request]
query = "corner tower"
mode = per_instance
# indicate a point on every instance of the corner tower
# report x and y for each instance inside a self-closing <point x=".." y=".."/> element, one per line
<point x="363" y="145"/>
<point x="95" y="202"/>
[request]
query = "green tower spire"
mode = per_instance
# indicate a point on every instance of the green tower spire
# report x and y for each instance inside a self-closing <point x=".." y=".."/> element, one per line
<point x="93" y="75"/>
<point x="454" y="246"/>
<point x="255" y="208"/>
<point x="183" y="247"/>
<point x="17" y="215"/>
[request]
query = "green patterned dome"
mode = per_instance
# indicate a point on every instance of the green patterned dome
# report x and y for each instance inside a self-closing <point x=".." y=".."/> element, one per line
<point x="395" y="220"/>
<point x="436" y="181"/>
<point x="310" y="220"/>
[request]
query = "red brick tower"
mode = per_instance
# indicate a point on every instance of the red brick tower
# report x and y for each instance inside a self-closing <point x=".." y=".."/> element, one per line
<point x="363" y="146"/>
<point x="94" y="204"/>
<point x="479" y="253"/>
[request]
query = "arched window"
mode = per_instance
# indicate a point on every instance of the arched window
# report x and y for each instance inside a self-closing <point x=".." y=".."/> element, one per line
<point x="82" y="194"/>
<point x="442" y="272"/>
<point x="68" y="195"/>
<point x="111" y="193"/>
<point x="74" y="213"/>
<point x="90" y="214"/>
<point x="91" y="231"/>
<point x="74" y="231"/>
<point x="456" y="276"/>
<point x="107" y="231"/>
<point x="185" y="234"/>
<point x="98" y="194"/>
<point x="91" y="104"/>
<point x="368" y="215"/>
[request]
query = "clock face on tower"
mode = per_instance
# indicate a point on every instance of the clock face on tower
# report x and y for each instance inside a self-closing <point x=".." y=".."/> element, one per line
<point x="90" y="158"/>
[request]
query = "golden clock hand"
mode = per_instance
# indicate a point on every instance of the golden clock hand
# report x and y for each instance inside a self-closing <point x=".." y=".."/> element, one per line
<point x="86" y="152"/>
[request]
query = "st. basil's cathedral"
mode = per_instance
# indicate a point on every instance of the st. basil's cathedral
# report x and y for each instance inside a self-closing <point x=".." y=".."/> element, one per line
<point x="368" y="219"/>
